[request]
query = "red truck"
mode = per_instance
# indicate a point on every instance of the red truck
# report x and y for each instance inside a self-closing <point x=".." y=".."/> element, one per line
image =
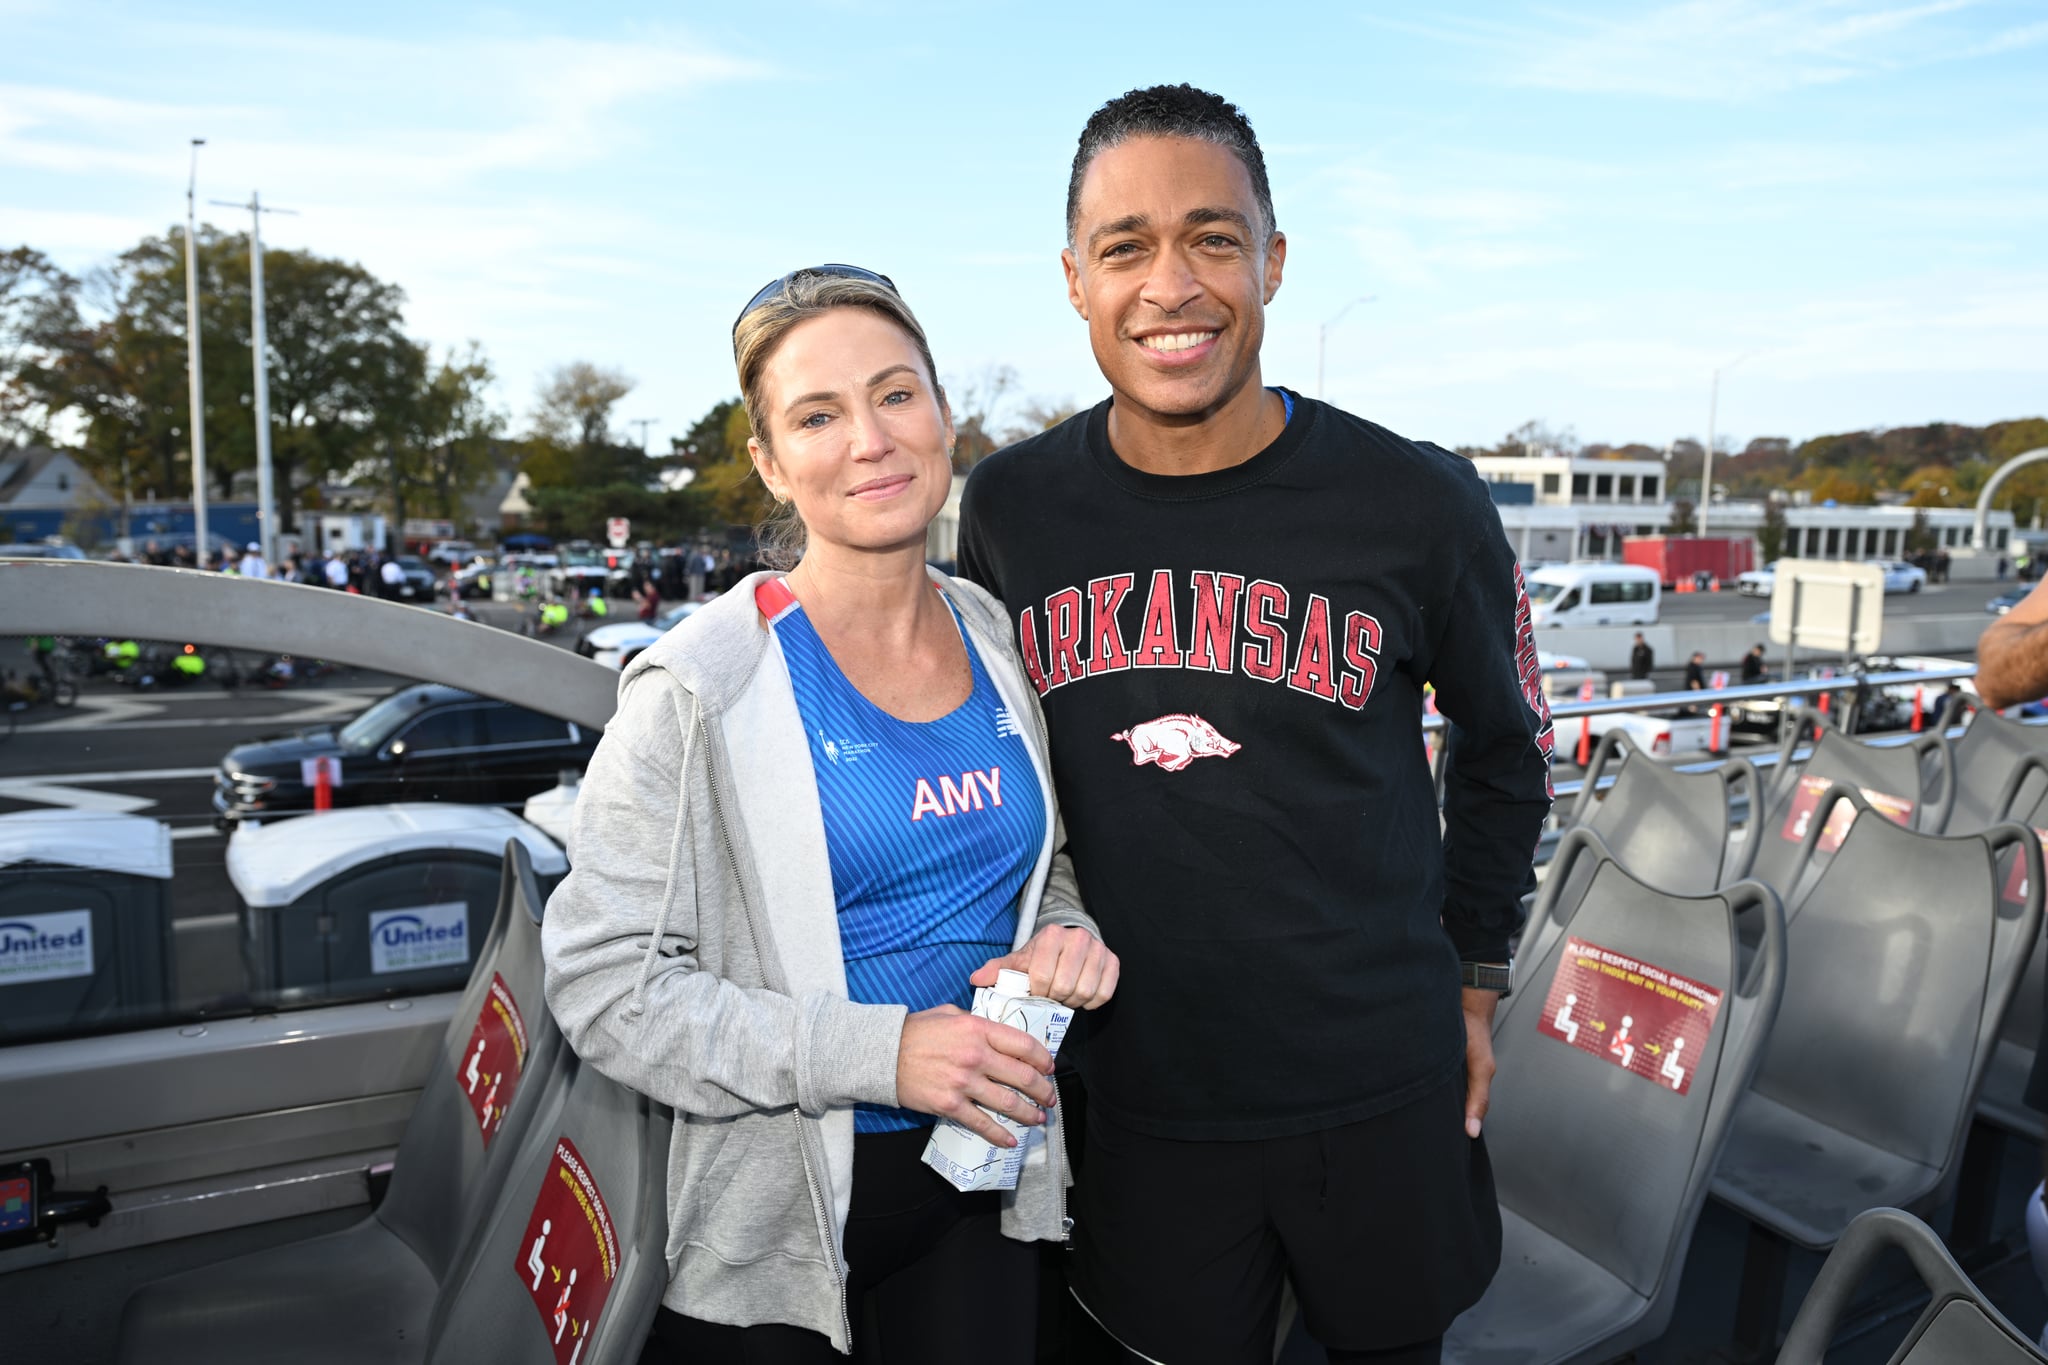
<point x="1677" y="557"/>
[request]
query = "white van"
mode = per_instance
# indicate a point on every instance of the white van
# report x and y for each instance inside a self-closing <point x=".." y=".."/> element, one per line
<point x="1594" y="595"/>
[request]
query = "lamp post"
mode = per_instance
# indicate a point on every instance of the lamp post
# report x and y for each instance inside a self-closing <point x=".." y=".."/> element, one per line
<point x="1323" y="337"/>
<point x="1707" y="467"/>
<point x="197" y="422"/>
<point x="266" y="504"/>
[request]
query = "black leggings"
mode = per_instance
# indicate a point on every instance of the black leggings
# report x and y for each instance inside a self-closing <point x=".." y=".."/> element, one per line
<point x="1421" y="1353"/>
<point x="932" y="1280"/>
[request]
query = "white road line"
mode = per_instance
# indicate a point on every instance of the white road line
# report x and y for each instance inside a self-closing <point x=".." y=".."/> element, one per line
<point x="95" y="779"/>
<point x="197" y="832"/>
<point x="205" y="922"/>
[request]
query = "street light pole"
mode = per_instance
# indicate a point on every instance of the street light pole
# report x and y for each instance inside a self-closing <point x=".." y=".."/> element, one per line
<point x="266" y="504"/>
<point x="1707" y="467"/>
<point x="643" y="423"/>
<point x="197" y="422"/>
<point x="1323" y="337"/>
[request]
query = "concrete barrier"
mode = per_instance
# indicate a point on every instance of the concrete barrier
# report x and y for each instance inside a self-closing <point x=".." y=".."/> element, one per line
<point x="1725" y="642"/>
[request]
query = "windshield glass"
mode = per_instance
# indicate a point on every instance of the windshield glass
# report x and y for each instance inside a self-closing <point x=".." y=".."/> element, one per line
<point x="376" y="725"/>
<point x="577" y="559"/>
<point x="1542" y="592"/>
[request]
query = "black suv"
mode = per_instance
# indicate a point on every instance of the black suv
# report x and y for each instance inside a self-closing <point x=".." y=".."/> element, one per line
<point x="421" y="743"/>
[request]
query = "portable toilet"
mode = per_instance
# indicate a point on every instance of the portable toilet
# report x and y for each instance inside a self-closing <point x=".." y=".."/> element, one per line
<point x="85" y="922"/>
<point x="374" y="900"/>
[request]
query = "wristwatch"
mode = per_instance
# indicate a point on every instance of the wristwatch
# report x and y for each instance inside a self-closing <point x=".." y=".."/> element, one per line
<point x="1489" y="976"/>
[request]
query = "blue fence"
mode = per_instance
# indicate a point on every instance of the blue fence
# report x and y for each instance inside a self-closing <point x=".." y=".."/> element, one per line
<point x="234" y="520"/>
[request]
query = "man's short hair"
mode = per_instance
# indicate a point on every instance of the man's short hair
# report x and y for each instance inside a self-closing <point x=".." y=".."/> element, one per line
<point x="1170" y="111"/>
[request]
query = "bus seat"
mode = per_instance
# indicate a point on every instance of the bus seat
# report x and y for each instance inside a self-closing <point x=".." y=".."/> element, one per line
<point x="1957" y="1327"/>
<point x="1990" y="784"/>
<point x="2024" y="798"/>
<point x="1671" y="829"/>
<point x="1903" y="958"/>
<point x="584" y="1209"/>
<point x="366" y="1293"/>
<point x="1603" y="1165"/>
<point x="1883" y="775"/>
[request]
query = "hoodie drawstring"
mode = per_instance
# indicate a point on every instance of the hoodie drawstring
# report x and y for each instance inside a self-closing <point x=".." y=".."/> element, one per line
<point x="638" y="1004"/>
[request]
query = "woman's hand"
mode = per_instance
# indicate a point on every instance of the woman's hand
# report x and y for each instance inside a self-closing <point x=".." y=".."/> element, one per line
<point x="1065" y="962"/>
<point x="950" y="1061"/>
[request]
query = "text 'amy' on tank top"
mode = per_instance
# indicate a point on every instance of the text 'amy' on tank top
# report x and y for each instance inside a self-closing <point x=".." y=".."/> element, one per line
<point x="932" y="828"/>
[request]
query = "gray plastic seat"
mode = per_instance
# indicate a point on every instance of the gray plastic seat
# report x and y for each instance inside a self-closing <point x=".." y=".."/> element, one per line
<point x="1672" y="829"/>
<point x="1957" y="1327"/>
<point x="1988" y="778"/>
<point x="1602" y="1171"/>
<point x="367" y="1293"/>
<point x="591" y="1132"/>
<point x="1903" y="958"/>
<point x="2003" y="1101"/>
<point x="1905" y="772"/>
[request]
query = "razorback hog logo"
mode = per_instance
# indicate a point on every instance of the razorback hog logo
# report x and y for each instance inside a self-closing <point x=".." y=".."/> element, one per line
<point x="1175" y="741"/>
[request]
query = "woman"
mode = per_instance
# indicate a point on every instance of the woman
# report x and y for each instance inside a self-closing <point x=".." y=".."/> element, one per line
<point x="821" y="811"/>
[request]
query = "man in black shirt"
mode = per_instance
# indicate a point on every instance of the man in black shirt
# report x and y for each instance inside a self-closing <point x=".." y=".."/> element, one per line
<point x="1641" y="659"/>
<point x="1231" y="599"/>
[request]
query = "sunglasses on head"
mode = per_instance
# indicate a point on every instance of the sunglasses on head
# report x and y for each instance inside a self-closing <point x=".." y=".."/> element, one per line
<point x="778" y="286"/>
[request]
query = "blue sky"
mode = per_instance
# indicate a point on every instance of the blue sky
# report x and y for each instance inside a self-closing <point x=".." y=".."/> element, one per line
<point x="1565" y="212"/>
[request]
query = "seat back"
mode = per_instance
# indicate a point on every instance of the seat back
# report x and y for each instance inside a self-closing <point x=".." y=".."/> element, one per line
<point x="1892" y="779"/>
<point x="1617" y="1079"/>
<point x="1957" y="1327"/>
<point x="1903" y="958"/>
<point x="2000" y="769"/>
<point x="1671" y="829"/>
<point x="477" y="1102"/>
<point x="568" y="1264"/>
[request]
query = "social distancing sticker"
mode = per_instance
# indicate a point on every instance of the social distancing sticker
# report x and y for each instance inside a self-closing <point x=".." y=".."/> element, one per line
<point x="2016" y="880"/>
<point x="1806" y="802"/>
<point x="570" y="1254"/>
<point x="490" y="1066"/>
<point x="1631" y="1014"/>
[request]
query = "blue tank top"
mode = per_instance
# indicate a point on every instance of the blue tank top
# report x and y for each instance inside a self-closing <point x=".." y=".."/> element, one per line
<point x="932" y="829"/>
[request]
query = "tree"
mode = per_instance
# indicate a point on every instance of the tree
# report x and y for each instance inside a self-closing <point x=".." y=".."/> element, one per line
<point x="36" y="300"/>
<point x="976" y="402"/>
<point x="1770" y="537"/>
<point x="572" y="430"/>
<point x="716" y="446"/>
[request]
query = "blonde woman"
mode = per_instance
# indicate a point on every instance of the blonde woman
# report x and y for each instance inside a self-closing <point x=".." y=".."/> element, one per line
<point x="822" y="811"/>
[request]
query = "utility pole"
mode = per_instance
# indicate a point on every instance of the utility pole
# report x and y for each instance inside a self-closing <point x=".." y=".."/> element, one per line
<point x="197" y="422"/>
<point x="1323" y="337"/>
<point x="1707" y="467"/>
<point x="643" y="423"/>
<point x="266" y="501"/>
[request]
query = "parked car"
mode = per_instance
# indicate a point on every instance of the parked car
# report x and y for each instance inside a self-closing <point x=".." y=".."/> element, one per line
<point x="472" y="579"/>
<point x="453" y="553"/>
<point x="581" y="568"/>
<point x="1758" y="582"/>
<point x="615" y="645"/>
<point x="41" y="552"/>
<point x="419" y="585"/>
<point x="422" y="739"/>
<point x="2006" y="601"/>
<point x="1665" y="736"/>
<point x="1900" y="576"/>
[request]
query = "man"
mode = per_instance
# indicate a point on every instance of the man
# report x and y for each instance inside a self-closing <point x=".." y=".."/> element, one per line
<point x="1753" y="664"/>
<point x="251" y="564"/>
<point x="1696" y="672"/>
<point x="1641" y="659"/>
<point x="337" y="573"/>
<point x="1231" y="599"/>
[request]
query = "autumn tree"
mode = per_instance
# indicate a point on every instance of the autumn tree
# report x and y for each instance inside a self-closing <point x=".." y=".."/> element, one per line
<point x="572" y="431"/>
<point x="36" y="300"/>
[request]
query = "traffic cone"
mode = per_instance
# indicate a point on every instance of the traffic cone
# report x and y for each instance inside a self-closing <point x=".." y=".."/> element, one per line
<point x="1714" y="730"/>
<point x="1713" y="585"/>
<point x="1585" y="741"/>
<point x="1919" y="708"/>
<point x="323" y="786"/>
<point x="1825" y="698"/>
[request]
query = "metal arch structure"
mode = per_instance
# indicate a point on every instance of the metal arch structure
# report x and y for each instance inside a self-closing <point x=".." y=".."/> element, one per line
<point x="81" y="597"/>
<point x="2012" y="466"/>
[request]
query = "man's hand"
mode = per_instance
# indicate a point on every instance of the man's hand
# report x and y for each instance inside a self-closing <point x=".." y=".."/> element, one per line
<point x="1065" y="963"/>
<point x="951" y="1061"/>
<point x="1479" y="1006"/>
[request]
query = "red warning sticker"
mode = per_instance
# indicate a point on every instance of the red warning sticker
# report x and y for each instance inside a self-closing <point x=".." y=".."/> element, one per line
<point x="1636" y="1016"/>
<point x="1806" y="800"/>
<point x="490" y="1066"/>
<point x="570" y="1254"/>
<point x="2016" y="880"/>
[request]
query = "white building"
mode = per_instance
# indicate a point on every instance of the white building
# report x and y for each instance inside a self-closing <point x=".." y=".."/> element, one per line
<point x="1858" y="532"/>
<point x="1576" y="508"/>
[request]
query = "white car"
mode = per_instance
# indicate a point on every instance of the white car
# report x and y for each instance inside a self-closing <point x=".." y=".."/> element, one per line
<point x="615" y="645"/>
<point x="1900" y="576"/>
<point x="1758" y="582"/>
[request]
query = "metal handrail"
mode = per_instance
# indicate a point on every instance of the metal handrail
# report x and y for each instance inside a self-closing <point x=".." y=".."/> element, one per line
<point x="1798" y="687"/>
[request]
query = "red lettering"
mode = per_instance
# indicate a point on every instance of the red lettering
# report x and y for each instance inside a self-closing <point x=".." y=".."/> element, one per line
<point x="1313" y="659"/>
<point x="1027" y="642"/>
<point x="1158" y="645"/>
<point x="1063" y="626"/>
<point x="1215" y="630"/>
<point x="1361" y="651"/>
<point x="1105" y="595"/>
<point x="1265" y="655"/>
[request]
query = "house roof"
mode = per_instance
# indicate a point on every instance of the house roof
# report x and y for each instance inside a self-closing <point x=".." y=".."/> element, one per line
<point x="22" y="466"/>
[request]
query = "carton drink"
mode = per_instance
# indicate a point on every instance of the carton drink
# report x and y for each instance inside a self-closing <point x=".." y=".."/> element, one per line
<point x="967" y="1159"/>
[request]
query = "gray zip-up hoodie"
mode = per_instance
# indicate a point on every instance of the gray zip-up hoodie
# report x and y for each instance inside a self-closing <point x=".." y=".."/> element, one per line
<point x="693" y="954"/>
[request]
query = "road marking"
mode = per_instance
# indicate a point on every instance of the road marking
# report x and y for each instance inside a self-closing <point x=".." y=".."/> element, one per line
<point x="228" y="921"/>
<point x="62" y="790"/>
<point x="142" y="775"/>
<point x="96" y="713"/>
<point x="196" y="832"/>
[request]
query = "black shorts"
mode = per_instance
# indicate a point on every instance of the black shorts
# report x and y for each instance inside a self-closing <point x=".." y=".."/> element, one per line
<point x="1387" y="1228"/>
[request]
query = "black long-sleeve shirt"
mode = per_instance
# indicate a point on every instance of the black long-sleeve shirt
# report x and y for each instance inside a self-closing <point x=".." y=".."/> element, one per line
<point x="1233" y="667"/>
